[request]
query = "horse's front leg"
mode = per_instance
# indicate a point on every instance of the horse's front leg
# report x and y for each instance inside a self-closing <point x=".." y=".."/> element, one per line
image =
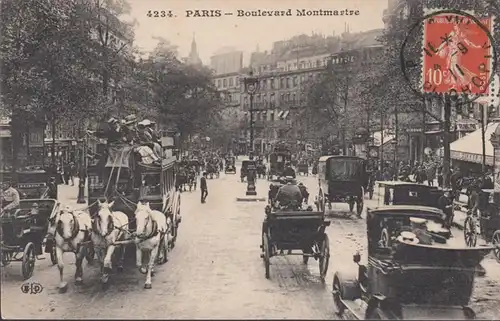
<point x="107" y="265"/>
<point x="138" y="259"/>
<point x="151" y="264"/>
<point x="121" y="259"/>
<point x="63" y="286"/>
<point x="79" y="255"/>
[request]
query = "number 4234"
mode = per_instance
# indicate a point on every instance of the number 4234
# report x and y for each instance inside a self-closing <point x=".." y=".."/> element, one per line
<point x="160" y="14"/>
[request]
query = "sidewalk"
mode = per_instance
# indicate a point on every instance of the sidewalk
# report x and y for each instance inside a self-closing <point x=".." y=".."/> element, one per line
<point x="460" y="215"/>
<point x="68" y="195"/>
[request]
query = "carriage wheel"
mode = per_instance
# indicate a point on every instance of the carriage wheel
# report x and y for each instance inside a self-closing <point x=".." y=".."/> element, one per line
<point x="29" y="258"/>
<point x="495" y="241"/>
<point x="321" y="202"/>
<point x="266" y="254"/>
<point x="337" y="297"/>
<point x="324" y="259"/>
<point x="470" y="235"/>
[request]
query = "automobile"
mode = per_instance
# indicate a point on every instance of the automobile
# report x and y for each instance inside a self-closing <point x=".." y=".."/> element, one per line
<point x="413" y="270"/>
<point x="409" y="193"/>
<point x="341" y="179"/>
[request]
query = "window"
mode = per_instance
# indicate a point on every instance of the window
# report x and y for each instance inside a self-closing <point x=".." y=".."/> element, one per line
<point x="288" y="97"/>
<point x="302" y="79"/>
<point x="289" y="66"/>
<point x="295" y="81"/>
<point x="231" y="82"/>
<point x="282" y="83"/>
<point x="271" y="83"/>
<point x="229" y="97"/>
<point x="288" y="82"/>
<point x="237" y="82"/>
<point x="293" y="97"/>
<point x="219" y="83"/>
<point x="282" y="98"/>
<point x="224" y="83"/>
<point x="271" y="116"/>
<point x="294" y="65"/>
<point x="263" y="84"/>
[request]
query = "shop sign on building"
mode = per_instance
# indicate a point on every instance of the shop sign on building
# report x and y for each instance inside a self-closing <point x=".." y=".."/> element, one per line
<point x="471" y="158"/>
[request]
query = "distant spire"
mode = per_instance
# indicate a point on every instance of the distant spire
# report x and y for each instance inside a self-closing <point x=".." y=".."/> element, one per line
<point x="194" y="58"/>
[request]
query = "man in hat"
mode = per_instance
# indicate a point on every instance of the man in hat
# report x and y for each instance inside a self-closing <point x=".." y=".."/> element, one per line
<point x="10" y="197"/>
<point x="203" y="187"/>
<point x="289" y="171"/>
<point x="289" y="194"/>
<point x="305" y="193"/>
<point x="445" y="203"/>
<point x="130" y="128"/>
<point x="114" y="133"/>
<point x="419" y="228"/>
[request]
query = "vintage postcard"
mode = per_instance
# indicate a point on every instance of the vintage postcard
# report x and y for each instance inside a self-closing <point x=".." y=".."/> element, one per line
<point x="250" y="159"/>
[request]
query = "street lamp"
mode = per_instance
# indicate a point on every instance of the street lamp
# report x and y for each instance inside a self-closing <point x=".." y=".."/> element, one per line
<point x="251" y="84"/>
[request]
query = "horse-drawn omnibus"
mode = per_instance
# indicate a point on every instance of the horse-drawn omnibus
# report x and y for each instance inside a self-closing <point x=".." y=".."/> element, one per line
<point x="126" y="181"/>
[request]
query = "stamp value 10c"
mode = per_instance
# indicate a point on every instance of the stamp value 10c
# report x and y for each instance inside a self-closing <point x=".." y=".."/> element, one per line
<point x="457" y="55"/>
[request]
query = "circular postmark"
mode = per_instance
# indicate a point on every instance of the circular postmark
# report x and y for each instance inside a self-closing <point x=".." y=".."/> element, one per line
<point x="457" y="57"/>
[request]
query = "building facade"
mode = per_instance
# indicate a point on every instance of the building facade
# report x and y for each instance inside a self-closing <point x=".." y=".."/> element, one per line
<point x="284" y="75"/>
<point x="225" y="63"/>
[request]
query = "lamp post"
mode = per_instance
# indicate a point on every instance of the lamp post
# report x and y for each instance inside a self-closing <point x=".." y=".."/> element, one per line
<point x="251" y="84"/>
<point x="82" y="173"/>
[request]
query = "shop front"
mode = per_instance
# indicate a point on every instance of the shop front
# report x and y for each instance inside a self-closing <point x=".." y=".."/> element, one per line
<point x="467" y="152"/>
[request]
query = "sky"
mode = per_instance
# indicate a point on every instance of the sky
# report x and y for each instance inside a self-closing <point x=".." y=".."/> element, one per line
<point x="245" y="33"/>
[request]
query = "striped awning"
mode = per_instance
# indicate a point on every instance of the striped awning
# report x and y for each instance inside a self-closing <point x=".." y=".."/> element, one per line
<point x="281" y="113"/>
<point x="285" y="114"/>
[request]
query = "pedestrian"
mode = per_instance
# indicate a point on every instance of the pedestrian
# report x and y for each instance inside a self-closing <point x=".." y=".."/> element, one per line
<point x="203" y="187"/>
<point x="66" y="173"/>
<point x="72" y="173"/>
<point x="440" y="176"/>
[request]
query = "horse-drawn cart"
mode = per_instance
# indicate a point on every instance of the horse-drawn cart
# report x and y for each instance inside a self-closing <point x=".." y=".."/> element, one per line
<point x="295" y="229"/>
<point x="23" y="231"/>
<point x="230" y="167"/>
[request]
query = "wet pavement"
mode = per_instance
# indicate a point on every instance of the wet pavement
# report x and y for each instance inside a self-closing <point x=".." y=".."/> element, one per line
<point x="215" y="270"/>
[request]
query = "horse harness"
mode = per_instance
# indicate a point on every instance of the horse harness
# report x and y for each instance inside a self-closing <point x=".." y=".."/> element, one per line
<point x="75" y="230"/>
<point x="154" y="230"/>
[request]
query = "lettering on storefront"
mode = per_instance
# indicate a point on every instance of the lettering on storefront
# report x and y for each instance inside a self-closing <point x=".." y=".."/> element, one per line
<point x="466" y="127"/>
<point x="471" y="158"/>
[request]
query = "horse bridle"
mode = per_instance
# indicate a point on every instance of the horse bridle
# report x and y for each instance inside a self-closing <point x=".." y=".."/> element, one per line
<point x="154" y="230"/>
<point x="75" y="228"/>
<point x="110" y="226"/>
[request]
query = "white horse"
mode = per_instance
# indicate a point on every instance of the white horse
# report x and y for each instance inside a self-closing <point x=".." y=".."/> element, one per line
<point x="152" y="237"/>
<point x="72" y="231"/>
<point x="108" y="228"/>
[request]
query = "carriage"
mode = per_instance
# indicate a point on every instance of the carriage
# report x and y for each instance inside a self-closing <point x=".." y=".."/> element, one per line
<point x="408" y="193"/>
<point x="277" y="162"/>
<point x="303" y="168"/>
<point x="230" y="166"/>
<point x="341" y="179"/>
<point x="23" y="231"/>
<point x="31" y="184"/>
<point x="294" y="228"/>
<point x="128" y="181"/>
<point x="487" y="225"/>
<point x="213" y="169"/>
<point x="405" y="278"/>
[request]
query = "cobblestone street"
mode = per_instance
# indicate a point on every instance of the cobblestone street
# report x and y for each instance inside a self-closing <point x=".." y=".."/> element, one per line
<point x="216" y="259"/>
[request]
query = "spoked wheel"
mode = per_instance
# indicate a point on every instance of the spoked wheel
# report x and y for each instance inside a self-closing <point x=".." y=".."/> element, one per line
<point x="470" y="234"/>
<point x="337" y="297"/>
<point x="29" y="258"/>
<point x="325" y="257"/>
<point x="6" y="257"/>
<point x="266" y="254"/>
<point x="495" y="241"/>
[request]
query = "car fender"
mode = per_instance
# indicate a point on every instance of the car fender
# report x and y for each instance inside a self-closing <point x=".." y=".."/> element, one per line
<point x="349" y="284"/>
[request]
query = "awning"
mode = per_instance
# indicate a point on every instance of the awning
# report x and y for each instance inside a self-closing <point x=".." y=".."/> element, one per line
<point x="377" y="138"/>
<point x="281" y="113"/>
<point x="470" y="147"/>
<point x="431" y="132"/>
<point x="285" y="114"/>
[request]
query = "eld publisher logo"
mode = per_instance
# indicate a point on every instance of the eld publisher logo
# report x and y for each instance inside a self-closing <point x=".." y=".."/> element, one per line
<point x="31" y="288"/>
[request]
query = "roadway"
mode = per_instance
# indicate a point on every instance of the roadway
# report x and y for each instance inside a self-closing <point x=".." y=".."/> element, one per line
<point x="215" y="270"/>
